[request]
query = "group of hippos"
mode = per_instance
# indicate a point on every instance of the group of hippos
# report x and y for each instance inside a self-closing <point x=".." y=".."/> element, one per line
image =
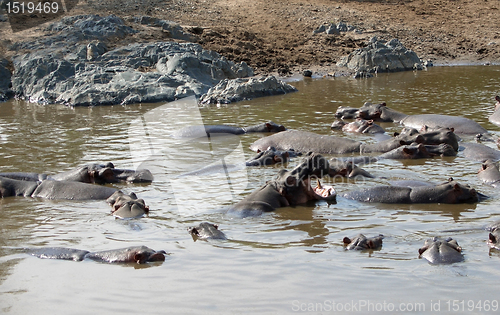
<point x="423" y="136"/>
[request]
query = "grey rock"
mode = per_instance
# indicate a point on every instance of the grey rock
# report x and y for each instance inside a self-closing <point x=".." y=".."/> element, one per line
<point x="381" y="56"/>
<point x="74" y="29"/>
<point x="229" y="91"/>
<point x="150" y="72"/>
<point x="333" y="29"/>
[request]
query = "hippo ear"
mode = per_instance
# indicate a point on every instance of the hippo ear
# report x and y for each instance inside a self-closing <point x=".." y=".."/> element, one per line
<point x="457" y="187"/>
<point x="370" y="122"/>
<point x="109" y="165"/>
<point x="492" y="238"/>
<point x="452" y="129"/>
<point x="139" y="258"/>
<point x="407" y="151"/>
<point x="497" y="98"/>
<point x="269" y="127"/>
<point x="424" y="128"/>
<point x="216" y="226"/>
<point x="346" y="240"/>
<point x="383" y="104"/>
<point x="421" y="250"/>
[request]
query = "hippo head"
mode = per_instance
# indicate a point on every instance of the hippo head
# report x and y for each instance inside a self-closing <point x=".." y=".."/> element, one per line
<point x="346" y="112"/>
<point x="457" y="193"/>
<point x="101" y="174"/>
<point x="360" y="242"/>
<point x="439" y="251"/>
<point x="337" y="125"/>
<point x="205" y="231"/>
<point x="127" y="206"/>
<point x="269" y="157"/>
<point x="143" y="254"/>
<point x="440" y="135"/>
<point x="497" y="105"/>
<point x="371" y="111"/>
<point x="295" y="185"/>
<point x="274" y="127"/>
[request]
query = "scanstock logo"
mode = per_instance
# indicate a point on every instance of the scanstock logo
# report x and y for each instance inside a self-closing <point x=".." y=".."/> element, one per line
<point x="31" y="13"/>
<point x="199" y="171"/>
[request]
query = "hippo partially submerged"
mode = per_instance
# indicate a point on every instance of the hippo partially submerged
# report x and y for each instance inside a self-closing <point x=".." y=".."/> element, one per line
<point x="449" y="192"/>
<point x="494" y="236"/>
<point x="127" y="206"/>
<point x="89" y="173"/>
<point x="139" y="254"/>
<point x="361" y="242"/>
<point x="214" y="130"/>
<point x="359" y="125"/>
<point x="206" y="231"/>
<point x="289" y="188"/>
<point x="441" y="251"/>
<point x="380" y="112"/>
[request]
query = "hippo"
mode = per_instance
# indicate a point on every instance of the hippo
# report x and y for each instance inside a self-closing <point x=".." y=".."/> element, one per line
<point x="359" y="125"/>
<point x="347" y="169"/>
<point x="346" y="112"/>
<point x="127" y="206"/>
<point x="124" y="206"/>
<point x="412" y="151"/>
<point x="450" y="192"/>
<point x="51" y="189"/>
<point x="271" y="156"/>
<point x="206" y="231"/>
<point x="489" y="173"/>
<point x="304" y="141"/>
<point x="495" y="117"/>
<point x="361" y="242"/>
<point x="213" y="130"/>
<point x="139" y="254"/>
<point x="289" y="188"/>
<point x="380" y="112"/>
<point x="90" y="173"/>
<point x="479" y="152"/>
<point x="441" y="251"/>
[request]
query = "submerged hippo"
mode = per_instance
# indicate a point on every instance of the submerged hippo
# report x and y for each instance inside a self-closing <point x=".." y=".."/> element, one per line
<point x="494" y="235"/>
<point x="344" y="112"/>
<point x="289" y="188"/>
<point x="127" y="206"/>
<point x="271" y="156"/>
<point x="214" y="130"/>
<point x="361" y="242"/>
<point x="359" y="125"/>
<point x="51" y="189"/>
<point x="380" y="112"/>
<point x="489" y="173"/>
<point x="439" y="251"/>
<point x="479" y="152"/>
<point x="304" y="141"/>
<point x="449" y="192"/>
<point x="206" y="231"/>
<point x="495" y="117"/>
<point x="139" y="254"/>
<point x="90" y="173"/>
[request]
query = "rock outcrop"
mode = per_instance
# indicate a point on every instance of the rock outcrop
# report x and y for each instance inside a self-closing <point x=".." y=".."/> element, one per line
<point x="73" y="66"/>
<point x="381" y="56"/>
<point x="235" y="90"/>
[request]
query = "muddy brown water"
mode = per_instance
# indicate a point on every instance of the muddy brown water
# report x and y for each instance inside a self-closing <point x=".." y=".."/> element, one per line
<point x="291" y="260"/>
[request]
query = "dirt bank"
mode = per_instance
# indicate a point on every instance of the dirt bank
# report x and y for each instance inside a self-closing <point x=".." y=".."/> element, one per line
<point x="277" y="35"/>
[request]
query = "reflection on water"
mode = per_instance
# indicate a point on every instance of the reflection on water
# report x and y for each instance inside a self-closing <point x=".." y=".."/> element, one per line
<point x="277" y="262"/>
